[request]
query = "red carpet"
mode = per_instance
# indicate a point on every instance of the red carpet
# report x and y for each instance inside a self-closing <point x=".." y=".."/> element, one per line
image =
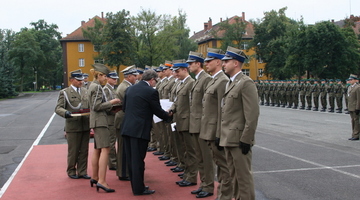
<point x="43" y="176"/>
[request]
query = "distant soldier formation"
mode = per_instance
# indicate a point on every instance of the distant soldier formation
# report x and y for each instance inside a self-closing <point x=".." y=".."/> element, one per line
<point x="310" y="94"/>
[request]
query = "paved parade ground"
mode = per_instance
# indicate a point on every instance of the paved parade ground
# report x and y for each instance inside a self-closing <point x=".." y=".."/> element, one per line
<point x="299" y="155"/>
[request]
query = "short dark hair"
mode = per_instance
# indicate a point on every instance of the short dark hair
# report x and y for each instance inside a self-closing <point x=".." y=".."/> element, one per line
<point x="149" y="74"/>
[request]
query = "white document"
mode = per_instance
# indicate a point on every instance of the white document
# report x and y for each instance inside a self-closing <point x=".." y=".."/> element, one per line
<point x="166" y="105"/>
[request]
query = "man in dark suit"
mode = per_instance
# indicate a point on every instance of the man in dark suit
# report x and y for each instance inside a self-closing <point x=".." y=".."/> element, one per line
<point x="141" y="102"/>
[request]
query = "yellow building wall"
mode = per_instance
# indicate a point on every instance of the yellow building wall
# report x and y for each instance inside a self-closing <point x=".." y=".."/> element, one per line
<point x="73" y="56"/>
<point x="253" y="65"/>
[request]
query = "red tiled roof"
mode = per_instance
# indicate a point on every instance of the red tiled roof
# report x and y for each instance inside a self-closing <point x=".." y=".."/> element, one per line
<point x="205" y="35"/>
<point x="78" y="34"/>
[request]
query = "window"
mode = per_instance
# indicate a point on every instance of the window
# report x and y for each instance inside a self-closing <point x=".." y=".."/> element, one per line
<point x="81" y="47"/>
<point x="261" y="71"/>
<point x="81" y="62"/>
<point x="99" y="61"/>
<point x="246" y="72"/>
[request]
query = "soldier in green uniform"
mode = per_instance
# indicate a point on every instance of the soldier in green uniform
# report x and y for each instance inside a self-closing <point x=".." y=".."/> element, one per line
<point x="271" y="93"/>
<point x="288" y="92"/>
<point x="308" y="93"/>
<point x="346" y="89"/>
<point x="331" y="95"/>
<point x="315" y="89"/>
<point x="323" y="95"/>
<point x="282" y="93"/>
<point x="301" y="89"/>
<point x="295" y="94"/>
<point x="339" y="90"/>
<point x="267" y="93"/>
<point x="75" y="99"/>
<point x="261" y="92"/>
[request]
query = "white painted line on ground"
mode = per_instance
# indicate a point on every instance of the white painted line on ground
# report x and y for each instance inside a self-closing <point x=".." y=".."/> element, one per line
<point x="304" y="169"/>
<point x="310" y="162"/>
<point x="36" y="142"/>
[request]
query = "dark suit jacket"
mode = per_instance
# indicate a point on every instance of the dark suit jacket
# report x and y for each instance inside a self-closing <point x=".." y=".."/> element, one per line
<point x="141" y="102"/>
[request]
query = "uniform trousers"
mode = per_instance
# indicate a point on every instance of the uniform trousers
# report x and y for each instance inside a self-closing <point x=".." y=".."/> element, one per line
<point x="354" y="124"/>
<point x="205" y="164"/>
<point x="225" y="187"/>
<point x="135" y="149"/>
<point x="78" y="150"/>
<point x="164" y="138"/>
<point x="121" y="166"/>
<point x="112" y="153"/>
<point x="308" y="100"/>
<point x="190" y="159"/>
<point x="323" y="100"/>
<point x="339" y="101"/>
<point x="332" y="102"/>
<point x="316" y="101"/>
<point x="302" y="99"/>
<point x="180" y="149"/>
<point x="240" y="170"/>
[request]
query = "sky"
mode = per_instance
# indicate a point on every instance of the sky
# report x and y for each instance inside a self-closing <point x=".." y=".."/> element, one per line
<point x="68" y="14"/>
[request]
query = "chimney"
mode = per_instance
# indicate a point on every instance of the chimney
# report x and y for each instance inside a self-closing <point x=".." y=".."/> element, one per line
<point x="206" y="26"/>
<point x="102" y="15"/>
<point x="82" y="23"/>
<point x="220" y="19"/>
<point x="210" y="23"/>
<point x="243" y="16"/>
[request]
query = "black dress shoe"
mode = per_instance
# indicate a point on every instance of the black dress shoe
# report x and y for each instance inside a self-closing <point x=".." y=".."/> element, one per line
<point x="196" y="191"/>
<point x="124" y="178"/>
<point x="74" y="176"/>
<point x="353" y="139"/>
<point x="146" y="192"/>
<point x="158" y="153"/>
<point x="203" y="194"/>
<point x="164" y="158"/>
<point x="98" y="185"/>
<point x="178" y="169"/>
<point x="178" y="182"/>
<point x="173" y="168"/>
<point x="167" y="162"/>
<point x="112" y="168"/>
<point x="171" y="164"/>
<point x="181" y="174"/>
<point x="146" y="187"/>
<point x="151" y="149"/>
<point x="85" y="176"/>
<point x="186" y="183"/>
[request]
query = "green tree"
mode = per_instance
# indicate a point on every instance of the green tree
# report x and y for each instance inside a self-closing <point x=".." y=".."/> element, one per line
<point x="49" y="65"/>
<point x="117" y="48"/>
<point x="95" y="35"/>
<point x="232" y="33"/>
<point x="7" y="88"/>
<point x="330" y="52"/>
<point x="269" y="40"/>
<point x="24" y="53"/>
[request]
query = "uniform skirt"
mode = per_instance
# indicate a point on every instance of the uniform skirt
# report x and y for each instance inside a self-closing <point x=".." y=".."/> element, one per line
<point x="101" y="137"/>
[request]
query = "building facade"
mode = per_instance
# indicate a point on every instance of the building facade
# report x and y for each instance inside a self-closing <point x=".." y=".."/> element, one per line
<point x="211" y="36"/>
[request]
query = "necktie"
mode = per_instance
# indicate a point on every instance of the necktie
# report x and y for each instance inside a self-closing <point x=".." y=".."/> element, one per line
<point x="78" y="90"/>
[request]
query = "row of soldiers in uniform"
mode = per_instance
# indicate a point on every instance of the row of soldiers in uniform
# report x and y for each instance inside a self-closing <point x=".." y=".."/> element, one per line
<point x="216" y="120"/>
<point x="290" y="93"/>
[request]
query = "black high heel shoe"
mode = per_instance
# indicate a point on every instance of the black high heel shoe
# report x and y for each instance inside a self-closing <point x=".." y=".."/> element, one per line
<point x="98" y="185"/>
<point x="92" y="182"/>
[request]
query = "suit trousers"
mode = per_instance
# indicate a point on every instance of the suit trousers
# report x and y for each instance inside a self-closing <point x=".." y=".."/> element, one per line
<point x="225" y="187"/>
<point x="78" y="150"/>
<point x="112" y="153"/>
<point x="135" y="149"/>
<point x="205" y="164"/>
<point x="354" y="124"/>
<point x="240" y="170"/>
<point x="191" y="161"/>
<point x="121" y="166"/>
